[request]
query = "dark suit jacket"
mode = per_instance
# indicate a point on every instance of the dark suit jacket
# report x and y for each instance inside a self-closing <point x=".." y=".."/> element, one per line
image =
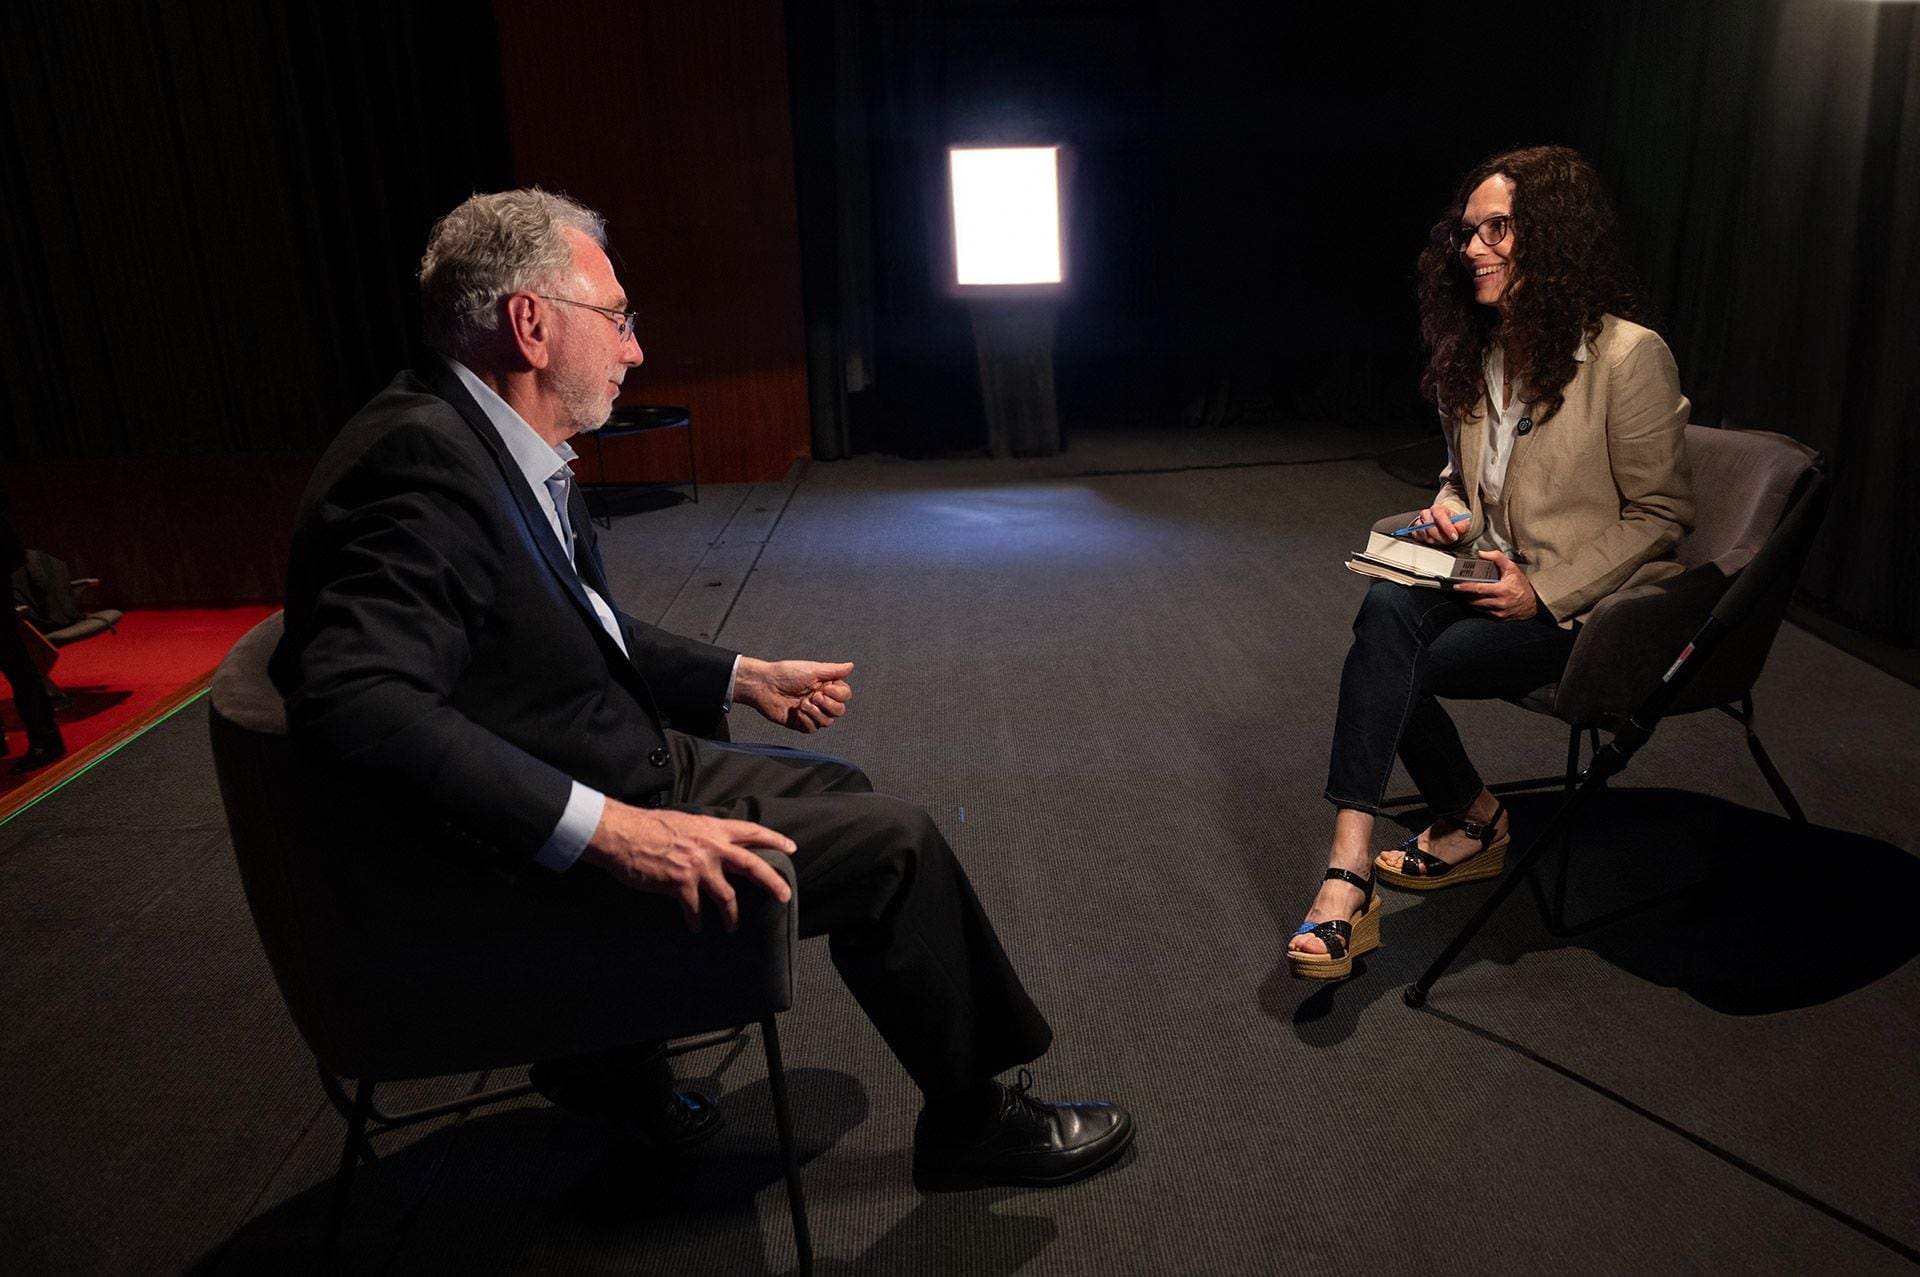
<point x="439" y="644"/>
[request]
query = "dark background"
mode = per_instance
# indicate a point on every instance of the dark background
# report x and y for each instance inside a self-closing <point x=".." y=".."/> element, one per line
<point x="212" y="212"/>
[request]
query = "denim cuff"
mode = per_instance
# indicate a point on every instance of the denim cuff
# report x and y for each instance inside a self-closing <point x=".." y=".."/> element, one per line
<point x="1350" y="804"/>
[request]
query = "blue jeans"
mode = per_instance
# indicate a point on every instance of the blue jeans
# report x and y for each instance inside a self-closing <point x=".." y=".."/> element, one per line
<point x="1409" y="647"/>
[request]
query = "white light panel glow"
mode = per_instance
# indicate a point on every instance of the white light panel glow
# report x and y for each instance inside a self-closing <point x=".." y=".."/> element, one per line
<point x="1006" y="214"/>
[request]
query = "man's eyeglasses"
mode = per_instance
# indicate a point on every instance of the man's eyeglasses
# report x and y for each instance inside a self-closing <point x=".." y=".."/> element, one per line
<point x="1491" y="231"/>
<point x="624" y="320"/>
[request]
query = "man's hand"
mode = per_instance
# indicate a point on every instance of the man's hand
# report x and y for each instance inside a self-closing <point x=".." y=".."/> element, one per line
<point x="803" y="695"/>
<point x="1511" y="598"/>
<point x="679" y="854"/>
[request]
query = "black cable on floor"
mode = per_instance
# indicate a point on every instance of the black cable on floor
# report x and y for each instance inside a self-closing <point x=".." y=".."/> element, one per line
<point x="1732" y="1159"/>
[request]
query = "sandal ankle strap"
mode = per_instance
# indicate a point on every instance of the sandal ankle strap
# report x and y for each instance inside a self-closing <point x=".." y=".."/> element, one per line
<point x="1347" y="875"/>
<point x="1482" y="831"/>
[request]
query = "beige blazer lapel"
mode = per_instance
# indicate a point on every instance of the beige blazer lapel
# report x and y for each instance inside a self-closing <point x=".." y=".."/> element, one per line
<point x="1471" y="450"/>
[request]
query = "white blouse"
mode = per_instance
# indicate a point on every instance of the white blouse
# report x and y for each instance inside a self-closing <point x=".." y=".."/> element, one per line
<point x="1503" y="425"/>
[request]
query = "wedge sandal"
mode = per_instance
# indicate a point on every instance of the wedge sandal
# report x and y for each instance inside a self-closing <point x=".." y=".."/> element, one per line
<point x="1422" y="871"/>
<point x="1346" y="939"/>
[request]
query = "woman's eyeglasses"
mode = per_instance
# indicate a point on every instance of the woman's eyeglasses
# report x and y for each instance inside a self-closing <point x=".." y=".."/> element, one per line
<point x="1491" y="231"/>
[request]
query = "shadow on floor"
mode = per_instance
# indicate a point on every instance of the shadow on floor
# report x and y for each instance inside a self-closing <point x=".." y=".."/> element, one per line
<point x="78" y="703"/>
<point x="942" y="1227"/>
<point x="535" y="1189"/>
<point x="1790" y="915"/>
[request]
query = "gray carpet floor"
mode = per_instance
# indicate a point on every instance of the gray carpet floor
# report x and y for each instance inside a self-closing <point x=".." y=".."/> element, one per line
<point x="1110" y="677"/>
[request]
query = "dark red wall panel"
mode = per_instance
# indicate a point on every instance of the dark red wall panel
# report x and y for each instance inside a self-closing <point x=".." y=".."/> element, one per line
<point x="672" y="120"/>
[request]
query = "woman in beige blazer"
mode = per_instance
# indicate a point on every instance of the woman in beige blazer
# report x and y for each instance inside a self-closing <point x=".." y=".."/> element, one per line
<point x="1565" y="470"/>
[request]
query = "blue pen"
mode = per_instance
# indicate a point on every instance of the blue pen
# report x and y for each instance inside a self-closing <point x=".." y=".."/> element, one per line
<point x="1422" y="527"/>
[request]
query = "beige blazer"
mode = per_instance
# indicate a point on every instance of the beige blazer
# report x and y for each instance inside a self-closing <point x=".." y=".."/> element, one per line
<point x="1598" y="497"/>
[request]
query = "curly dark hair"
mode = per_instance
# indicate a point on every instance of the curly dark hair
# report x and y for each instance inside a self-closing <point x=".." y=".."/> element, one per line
<point x="1568" y="272"/>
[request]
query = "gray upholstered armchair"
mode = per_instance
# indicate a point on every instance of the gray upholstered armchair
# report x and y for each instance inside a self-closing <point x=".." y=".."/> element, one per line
<point x="398" y="961"/>
<point x="1744" y="480"/>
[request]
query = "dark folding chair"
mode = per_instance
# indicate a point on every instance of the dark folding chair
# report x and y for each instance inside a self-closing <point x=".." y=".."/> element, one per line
<point x="1745" y="482"/>
<point x="1696" y="669"/>
<point x="398" y="960"/>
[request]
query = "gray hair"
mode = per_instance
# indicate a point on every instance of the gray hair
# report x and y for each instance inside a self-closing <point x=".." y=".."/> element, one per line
<point x="492" y="246"/>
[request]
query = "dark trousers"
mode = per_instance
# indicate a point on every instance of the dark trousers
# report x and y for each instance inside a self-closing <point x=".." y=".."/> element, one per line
<point x="30" y="699"/>
<point x="878" y="879"/>
<point x="1409" y="647"/>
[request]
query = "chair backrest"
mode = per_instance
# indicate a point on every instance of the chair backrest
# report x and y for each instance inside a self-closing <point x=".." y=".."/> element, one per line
<point x="1743" y="481"/>
<point x="1746" y="616"/>
<point x="398" y="957"/>
<point x="44" y="587"/>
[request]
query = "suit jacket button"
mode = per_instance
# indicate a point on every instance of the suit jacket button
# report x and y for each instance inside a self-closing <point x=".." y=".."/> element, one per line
<point x="659" y="757"/>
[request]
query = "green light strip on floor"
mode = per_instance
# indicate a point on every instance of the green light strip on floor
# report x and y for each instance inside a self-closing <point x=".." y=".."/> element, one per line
<point x="93" y="763"/>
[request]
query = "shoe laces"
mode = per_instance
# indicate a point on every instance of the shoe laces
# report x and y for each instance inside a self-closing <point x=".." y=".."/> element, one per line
<point x="1018" y="1093"/>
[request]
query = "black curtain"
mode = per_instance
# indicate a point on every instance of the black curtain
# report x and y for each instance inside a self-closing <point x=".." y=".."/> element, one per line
<point x="1258" y="181"/>
<point x="1766" y="157"/>
<point x="1248" y="188"/>
<point x="212" y="212"/>
<point x="880" y="91"/>
<point x="833" y="189"/>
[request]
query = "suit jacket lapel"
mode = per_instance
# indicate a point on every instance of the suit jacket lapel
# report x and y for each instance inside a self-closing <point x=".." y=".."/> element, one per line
<point x="1473" y="451"/>
<point x="586" y="545"/>
<point x="442" y="381"/>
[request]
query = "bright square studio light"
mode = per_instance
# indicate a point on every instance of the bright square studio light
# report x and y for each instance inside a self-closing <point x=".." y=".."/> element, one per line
<point x="1006" y="214"/>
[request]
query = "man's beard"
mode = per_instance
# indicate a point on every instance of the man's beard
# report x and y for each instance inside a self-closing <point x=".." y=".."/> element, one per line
<point x="585" y="401"/>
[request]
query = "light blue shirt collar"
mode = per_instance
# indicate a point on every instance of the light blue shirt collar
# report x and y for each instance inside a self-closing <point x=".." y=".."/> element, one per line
<point x="532" y="456"/>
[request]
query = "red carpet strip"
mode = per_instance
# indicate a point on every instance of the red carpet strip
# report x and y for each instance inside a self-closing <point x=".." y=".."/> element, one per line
<point x="121" y="684"/>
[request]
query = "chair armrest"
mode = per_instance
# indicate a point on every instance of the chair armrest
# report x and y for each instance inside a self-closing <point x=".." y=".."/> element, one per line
<point x="1629" y="640"/>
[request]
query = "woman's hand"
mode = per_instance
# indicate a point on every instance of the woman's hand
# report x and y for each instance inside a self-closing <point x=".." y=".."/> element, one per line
<point x="1511" y="598"/>
<point x="1443" y="532"/>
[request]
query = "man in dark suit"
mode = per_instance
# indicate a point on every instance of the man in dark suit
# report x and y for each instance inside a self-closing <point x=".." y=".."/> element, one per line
<point x="451" y="637"/>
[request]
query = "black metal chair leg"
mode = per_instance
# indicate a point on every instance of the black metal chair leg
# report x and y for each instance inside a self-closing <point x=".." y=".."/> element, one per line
<point x="1774" y="780"/>
<point x="693" y="466"/>
<point x="349" y="1159"/>
<point x="1555" y="781"/>
<point x="1415" y="994"/>
<point x="1556" y="917"/>
<point x="777" y="1083"/>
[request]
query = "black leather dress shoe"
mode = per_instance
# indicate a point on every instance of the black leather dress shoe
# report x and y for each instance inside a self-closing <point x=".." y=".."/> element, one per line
<point x="38" y="756"/>
<point x="1030" y="1143"/>
<point x="677" y="1120"/>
